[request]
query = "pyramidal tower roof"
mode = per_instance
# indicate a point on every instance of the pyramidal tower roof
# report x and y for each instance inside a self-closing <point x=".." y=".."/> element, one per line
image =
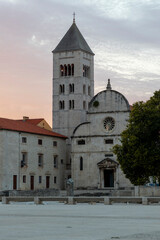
<point x="73" y="40"/>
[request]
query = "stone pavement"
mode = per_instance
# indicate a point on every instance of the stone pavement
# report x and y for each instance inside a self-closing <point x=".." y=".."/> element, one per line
<point x="58" y="221"/>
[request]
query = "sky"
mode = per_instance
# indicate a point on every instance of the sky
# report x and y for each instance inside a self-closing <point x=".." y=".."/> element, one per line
<point x="123" y="34"/>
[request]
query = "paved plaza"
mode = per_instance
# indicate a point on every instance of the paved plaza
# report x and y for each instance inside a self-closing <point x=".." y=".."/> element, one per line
<point x="58" y="221"/>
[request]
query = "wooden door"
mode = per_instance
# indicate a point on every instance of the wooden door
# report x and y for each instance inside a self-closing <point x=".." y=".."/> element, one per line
<point x="47" y="181"/>
<point x="14" y="182"/>
<point x="32" y="182"/>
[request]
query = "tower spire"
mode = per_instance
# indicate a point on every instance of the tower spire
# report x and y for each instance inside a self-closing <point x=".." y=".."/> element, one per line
<point x="74" y="17"/>
<point x="109" y="85"/>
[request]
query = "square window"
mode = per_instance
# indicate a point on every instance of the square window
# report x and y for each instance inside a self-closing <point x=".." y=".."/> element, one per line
<point x="81" y="142"/>
<point x="24" y="140"/>
<point x="108" y="141"/>
<point x="55" y="143"/>
<point x="39" y="141"/>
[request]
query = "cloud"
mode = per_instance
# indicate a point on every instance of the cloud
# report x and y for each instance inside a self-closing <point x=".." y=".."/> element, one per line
<point x="123" y="34"/>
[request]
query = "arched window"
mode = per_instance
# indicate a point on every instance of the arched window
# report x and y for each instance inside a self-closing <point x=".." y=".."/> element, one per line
<point x="86" y="71"/>
<point x="72" y="104"/>
<point x="72" y="87"/>
<point x="63" y="105"/>
<point x="72" y="69"/>
<point x="63" y="88"/>
<point x="81" y="164"/>
<point x="69" y="70"/>
<point x="84" y="105"/>
<point x="84" y="89"/>
<point x="60" y="104"/>
<point x="65" y="70"/>
<point x="89" y="90"/>
<point x="61" y="70"/>
<point x="60" y="88"/>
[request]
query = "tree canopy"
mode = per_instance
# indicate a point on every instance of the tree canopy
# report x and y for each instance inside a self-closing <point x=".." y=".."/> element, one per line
<point x="139" y="152"/>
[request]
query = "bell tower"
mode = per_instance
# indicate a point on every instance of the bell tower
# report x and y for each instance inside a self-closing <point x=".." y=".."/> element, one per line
<point x="73" y="81"/>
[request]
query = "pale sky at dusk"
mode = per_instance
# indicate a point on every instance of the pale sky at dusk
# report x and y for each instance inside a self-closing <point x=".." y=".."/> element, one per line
<point x="123" y="34"/>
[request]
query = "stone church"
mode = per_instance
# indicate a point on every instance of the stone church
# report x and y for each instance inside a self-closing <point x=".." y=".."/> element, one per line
<point x="93" y="124"/>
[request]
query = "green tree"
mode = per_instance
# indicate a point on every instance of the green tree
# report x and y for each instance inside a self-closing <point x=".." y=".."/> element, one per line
<point x="139" y="152"/>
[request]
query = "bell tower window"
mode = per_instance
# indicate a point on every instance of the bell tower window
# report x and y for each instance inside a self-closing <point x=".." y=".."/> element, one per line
<point x="67" y="70"/>
<point x="61" y="88"/>
<point x="71" y="88"/>
<point x="61" y="104"/>
<point x="86" y="71"/>
<point x="72" y="69"/>
<point x="61" y="70"/>
<point x="84" y="89"/>
<point x="71" y="104"/>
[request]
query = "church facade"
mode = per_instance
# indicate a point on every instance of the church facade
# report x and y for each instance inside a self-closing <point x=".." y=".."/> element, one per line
<point x="93" y="124"/>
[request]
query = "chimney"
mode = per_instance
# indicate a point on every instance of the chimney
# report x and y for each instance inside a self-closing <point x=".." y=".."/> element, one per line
<point x="25" y="118"/>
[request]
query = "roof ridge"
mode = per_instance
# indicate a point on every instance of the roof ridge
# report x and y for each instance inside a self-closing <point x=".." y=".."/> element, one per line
<point x="73" y="40"/>
<point x="24" y="126"/>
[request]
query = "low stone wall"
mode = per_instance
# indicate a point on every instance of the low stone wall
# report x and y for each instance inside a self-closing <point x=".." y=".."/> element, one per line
<point x="147" y="191"/>
<point x="90" y="200"/>
<point x="105" y="192"/>
<point x="44" y="192"/>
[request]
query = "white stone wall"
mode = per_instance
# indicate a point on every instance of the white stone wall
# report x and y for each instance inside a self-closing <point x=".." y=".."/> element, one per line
<point x="65" y="120"/>
<point x="111" y="104"/>
<point x="11" y="155"/>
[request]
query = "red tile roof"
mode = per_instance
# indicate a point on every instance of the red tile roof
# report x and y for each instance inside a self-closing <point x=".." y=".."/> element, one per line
<point x="23" y="126"/>
<point x="35" y="121"/>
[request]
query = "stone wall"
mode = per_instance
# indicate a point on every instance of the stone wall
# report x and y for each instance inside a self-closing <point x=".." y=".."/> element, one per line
<point x="40" y="192"/>
<point x="147" y="191"/>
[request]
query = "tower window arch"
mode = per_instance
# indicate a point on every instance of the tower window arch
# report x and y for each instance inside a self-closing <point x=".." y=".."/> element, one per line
<point x="72" y="69"/>
<point x="89" y="90"/>
<point x="61" y="88"/>
<point x="84" y="89"/>
<point x="84" y="105"/>
<point x="61" y="105"/>
<point x="71" y="88"/>
<point x="71" y="104"/>
<point x="81" y="164"/>
<point x="67" y="70"/>
<point x="61" y="70"/>
<point x="86" y="71"/>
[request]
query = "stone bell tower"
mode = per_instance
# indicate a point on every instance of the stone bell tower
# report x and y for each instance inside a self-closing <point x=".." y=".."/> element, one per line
<point x="73" y="81"/>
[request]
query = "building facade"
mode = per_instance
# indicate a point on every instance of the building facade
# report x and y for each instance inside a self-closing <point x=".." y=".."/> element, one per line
<point x="30" y="157"/>
<point x="93" y="124"/>
<point x="94" y="166"/>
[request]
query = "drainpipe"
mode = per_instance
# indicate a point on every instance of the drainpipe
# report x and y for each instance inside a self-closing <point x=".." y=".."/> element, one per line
<point x="19" y="164"/>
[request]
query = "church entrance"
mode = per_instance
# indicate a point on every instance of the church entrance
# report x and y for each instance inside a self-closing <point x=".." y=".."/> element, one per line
<point x="108" y="177"/>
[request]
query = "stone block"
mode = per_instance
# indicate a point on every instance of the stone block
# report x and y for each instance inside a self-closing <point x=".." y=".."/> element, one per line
<point x="107" y="201"/>
<point x="144" y="200"/>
